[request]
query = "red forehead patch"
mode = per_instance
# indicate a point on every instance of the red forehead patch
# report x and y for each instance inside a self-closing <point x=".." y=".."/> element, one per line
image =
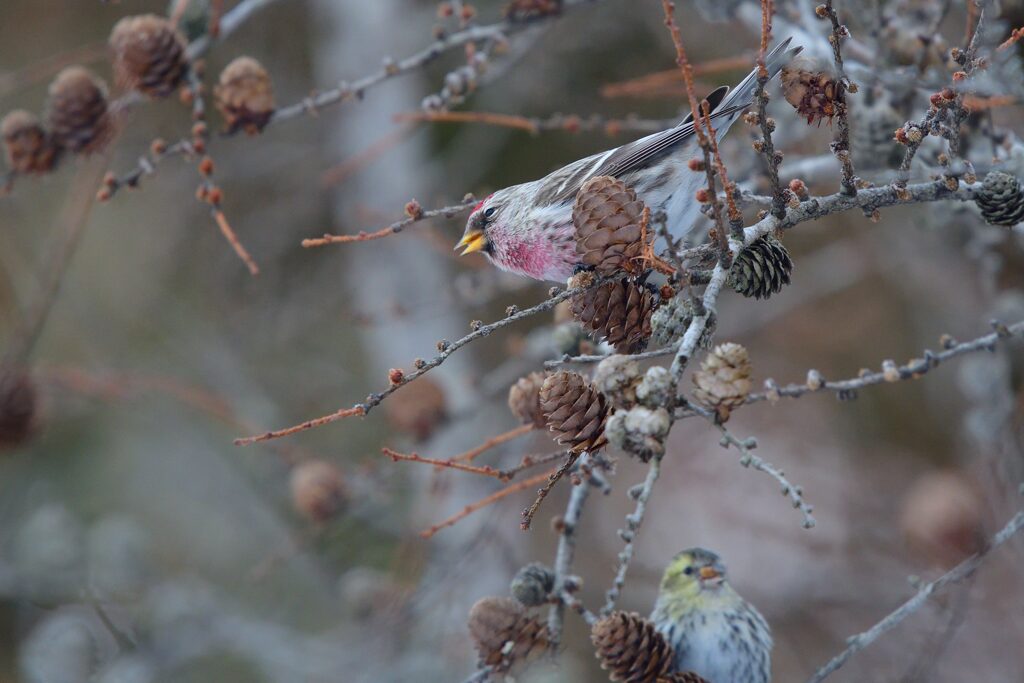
<point x="482" y="202"/>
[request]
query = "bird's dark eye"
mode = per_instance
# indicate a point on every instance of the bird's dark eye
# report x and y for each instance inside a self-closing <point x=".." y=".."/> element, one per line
<point x="689" y="571"/>
<point x="489" y="211"/>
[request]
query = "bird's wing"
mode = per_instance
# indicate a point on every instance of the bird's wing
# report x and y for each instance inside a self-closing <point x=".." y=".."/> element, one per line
<point x="566" y="182"/>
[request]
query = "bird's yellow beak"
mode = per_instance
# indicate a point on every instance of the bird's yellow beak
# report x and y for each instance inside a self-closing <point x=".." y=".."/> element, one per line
<point x="707" y="573"/>
<point x="473" y="240"/>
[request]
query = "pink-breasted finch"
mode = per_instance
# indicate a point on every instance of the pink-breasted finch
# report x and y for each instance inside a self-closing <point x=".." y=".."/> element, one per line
<point x="527" y="229"/>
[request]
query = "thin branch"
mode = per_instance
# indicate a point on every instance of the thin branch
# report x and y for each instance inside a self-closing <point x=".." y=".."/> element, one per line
<point x="573" y="603"/>
<point x="669" y="82"/>
<point x="484" y="502"/>
<point x="232" y="237"/>
<point x="1015" y="35"/>
<point x="962" y="571"/>
<point x="413" y="217"/>
<point x="891" y="372"/>
<point x="633" y="523"/>
<point x="485" y="470"/>
<point x="553" y="479"/>
<point x="772" y="159"/>
<point x="446" y="350"/>
<point x="565" y="552"/>
<point x="473" y="453"/>
<point x="569" y="123"/>
<point x="841" y="144"/>
<point x="345" y="92"/>
<point x="748" y="459"/>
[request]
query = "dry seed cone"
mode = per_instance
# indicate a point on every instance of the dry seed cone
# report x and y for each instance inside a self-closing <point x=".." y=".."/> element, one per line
<point x="607" y="216"/>
<point x="524" y="399"/>
<point x="619" y="311"/>
<point x="723" y="380"/>
<point x="318" y="490"/>
<point x="504" y="634"/>
<point x="1001" y="199"/>
<point x="575" y="411"/>
<point x="78" y="114"/>
<point x="245" y="96"/>
<point x="762" y="269"/>
<point x="418" y="409"/>
<point x="28" y="147"/>
<point x="630" y="648"/>
<point x="815" y="94"/>
<point x="148" y="54"/>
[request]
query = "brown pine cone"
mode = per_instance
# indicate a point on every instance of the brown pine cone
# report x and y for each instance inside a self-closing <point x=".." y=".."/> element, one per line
<point x="245" y="96"/>
<point x="723" y="380"/>
<point x="18" y="408"/>
<point x="148" y="55"/>
<point x="762" y="269"/>
<point x="418" y="408"/>
<point x="815" y="94"/>
<point x="574" y="410"/>
<point x="78" y="114"/>
<point x="630" y="648"/>
<point x="619" y="311"/>
<point x="608" y="216"/>
<point x="494" y="623"/>
<point x="524" y="399"/>
<point x="523" y="10"/>
<point x="682" y="677"/>
<point x="29" y="148"/>
<point x="318" y="490"/>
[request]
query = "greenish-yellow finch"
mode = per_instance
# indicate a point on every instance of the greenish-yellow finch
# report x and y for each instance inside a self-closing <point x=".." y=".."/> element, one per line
<point x="714" y="631"/>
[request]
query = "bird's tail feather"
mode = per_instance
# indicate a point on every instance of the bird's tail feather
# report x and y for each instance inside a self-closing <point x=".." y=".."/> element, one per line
<point x="743" y="94"/>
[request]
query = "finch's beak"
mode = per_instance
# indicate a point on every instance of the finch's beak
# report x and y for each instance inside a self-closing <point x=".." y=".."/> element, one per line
<point x="708" y="573"/>
<point x="473" y="240"/>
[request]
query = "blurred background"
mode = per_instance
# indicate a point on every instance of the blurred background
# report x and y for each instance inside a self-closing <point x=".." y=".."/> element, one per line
<point x="138" y="544"/>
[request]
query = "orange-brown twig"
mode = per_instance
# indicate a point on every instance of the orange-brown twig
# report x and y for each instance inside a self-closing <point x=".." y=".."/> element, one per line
<point x="308" y="424"/>
<point x="232" y="237"/>
<point x="394" y="228"/>
<point x="767" y="8"/>
<point x="529" y="461"/>
<point x="340" y="172"/>
<point x="484" y="502"/>
<point x="699" y="123"/>
<point x="216" y="12"/>
<point x="504" y="437"/>
<point x="490" y="118"/>
<point x="735" y="217"/>
<point x="668" y="82"/>
<point x="553" y="477"/>
<point x="1015" y="35"/>
<point x="485" y="470"/>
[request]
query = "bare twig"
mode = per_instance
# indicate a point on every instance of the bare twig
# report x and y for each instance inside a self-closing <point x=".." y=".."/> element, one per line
<point x="484" y="502"/>
<point x="446" y="350"/>
<point x="553" y="479"/>
<point x="565" y="552"/>
<point x="485" y="470"/>
<point x="841" y="144"/>
<point x="345" y="92"/>
<point x="957" y="574"/>
<point x="641" y="494"/>
<point x="772" y="159"/>
<point x="560" y="122"/>
<point x="748" y="459"/>
<point x="891" y="372"/>
<point x="394" y="228"/>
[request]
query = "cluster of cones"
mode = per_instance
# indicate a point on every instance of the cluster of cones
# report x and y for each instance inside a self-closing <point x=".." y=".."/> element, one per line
<point x="508" y="638"/>
<point x="149" y="55"/>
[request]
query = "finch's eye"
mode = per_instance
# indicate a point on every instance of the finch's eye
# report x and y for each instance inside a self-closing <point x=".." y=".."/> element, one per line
<point x="689" y="571"/>
<point x="489" y="212"/>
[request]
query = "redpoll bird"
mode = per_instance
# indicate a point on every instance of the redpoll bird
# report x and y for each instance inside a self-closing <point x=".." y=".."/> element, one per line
<point x="527" y="229"/>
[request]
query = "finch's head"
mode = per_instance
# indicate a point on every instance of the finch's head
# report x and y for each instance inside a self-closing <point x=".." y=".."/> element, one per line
<point x="692" y="573"/>
<point x="483" y="217"/>
<point x="517" y="235"/>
